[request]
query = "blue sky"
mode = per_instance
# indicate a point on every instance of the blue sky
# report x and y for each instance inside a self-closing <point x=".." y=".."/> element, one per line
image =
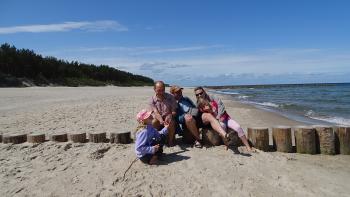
<point x="191" y="42"/>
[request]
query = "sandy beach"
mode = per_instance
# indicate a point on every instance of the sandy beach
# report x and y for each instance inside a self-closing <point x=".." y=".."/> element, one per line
<point x="88" y="169"/>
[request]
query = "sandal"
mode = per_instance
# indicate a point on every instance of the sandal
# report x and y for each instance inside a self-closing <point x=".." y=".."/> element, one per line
<point x="227" y="140"/>
<point x="197" y="144"/>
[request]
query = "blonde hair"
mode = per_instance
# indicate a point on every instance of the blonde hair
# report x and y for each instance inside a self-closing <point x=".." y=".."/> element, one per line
<point x="202" y="102"/>
<point x="142" y="125"/>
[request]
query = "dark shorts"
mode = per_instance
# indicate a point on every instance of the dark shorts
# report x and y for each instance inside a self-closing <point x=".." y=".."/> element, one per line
<point x="200" y="123"/>
<point x="147" y="158"/>
<point x="181" y="126"/>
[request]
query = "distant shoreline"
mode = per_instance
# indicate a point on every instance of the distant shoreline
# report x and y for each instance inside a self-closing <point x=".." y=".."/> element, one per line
<point x="275" y="85"/>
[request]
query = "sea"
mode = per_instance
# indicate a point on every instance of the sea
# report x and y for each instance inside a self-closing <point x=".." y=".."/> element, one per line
<point x="309" y="103"/>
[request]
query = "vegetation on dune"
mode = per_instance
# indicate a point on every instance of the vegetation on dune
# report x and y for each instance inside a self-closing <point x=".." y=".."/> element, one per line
<point x="23" y="67"/>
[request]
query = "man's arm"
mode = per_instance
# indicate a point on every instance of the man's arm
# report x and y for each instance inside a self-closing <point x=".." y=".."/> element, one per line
<point x="155" y="111"/>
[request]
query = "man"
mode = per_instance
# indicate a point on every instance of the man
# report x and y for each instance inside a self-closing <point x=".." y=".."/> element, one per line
<point x="164" y="110"/>
<point x="186" y="113"/>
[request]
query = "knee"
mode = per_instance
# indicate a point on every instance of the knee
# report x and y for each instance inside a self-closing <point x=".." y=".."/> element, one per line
<point x="188" y="118"/>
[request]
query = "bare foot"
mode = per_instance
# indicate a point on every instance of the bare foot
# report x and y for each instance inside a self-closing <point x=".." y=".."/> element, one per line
<point x="154" y="160"/>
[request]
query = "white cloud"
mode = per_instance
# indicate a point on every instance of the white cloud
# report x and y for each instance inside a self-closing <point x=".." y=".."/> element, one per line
<point x="103" y="25"/>
<point x="210" y="66"/>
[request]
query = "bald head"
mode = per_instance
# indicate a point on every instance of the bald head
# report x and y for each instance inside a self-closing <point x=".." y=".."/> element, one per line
<point x="159" y="84"/>
<point x="159" y="89"/>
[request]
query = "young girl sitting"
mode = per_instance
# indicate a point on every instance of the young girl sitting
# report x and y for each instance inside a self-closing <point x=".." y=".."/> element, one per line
<point x="225" y="120"/>
<point x="149" y="142"/>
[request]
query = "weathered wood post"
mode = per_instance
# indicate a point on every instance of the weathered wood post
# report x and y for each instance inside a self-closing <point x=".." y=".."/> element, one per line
<point x="282" y="139"/>
<point x="120" y="138"/>
<point x="58" y="137"/>
<point x="15" y="138"/>
<point x="305" y="139"/>
<point x="211" y="137"/>
<point x="235" y="140"/>
<point x="77" y="137"/>
<point x="36" y="138"/>
<point x="259" y="137"/>
<point x="97" y="137"/>
<point x="343" y="140"/>
<point x="325" y="140"/>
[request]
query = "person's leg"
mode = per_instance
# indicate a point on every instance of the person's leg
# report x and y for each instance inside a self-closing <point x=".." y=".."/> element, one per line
<point x="171" y="133"/>
<point x="146" y="158"/>
<point x="236" y="127"/>
<point x="210" y="119"/>
<point x="191" y="125"/>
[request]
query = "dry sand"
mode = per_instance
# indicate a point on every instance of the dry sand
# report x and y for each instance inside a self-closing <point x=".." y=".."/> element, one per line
<point x="68" y="169"/>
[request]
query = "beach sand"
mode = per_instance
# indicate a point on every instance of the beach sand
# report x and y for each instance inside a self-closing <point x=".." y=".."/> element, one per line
<point x="88" y="169"/>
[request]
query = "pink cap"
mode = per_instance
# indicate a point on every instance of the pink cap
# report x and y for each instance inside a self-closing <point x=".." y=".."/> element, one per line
<point x="143" y="115"/>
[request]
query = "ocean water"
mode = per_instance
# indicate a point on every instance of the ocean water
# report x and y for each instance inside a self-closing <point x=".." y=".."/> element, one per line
<point x="310" y="103"/>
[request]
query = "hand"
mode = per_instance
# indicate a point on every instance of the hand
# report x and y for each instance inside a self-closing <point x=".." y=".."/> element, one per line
<point x="161" y="122"/>
<point x="156" y="148"/>
<point x="168" y="120"/>
<point x="166" y="124"/>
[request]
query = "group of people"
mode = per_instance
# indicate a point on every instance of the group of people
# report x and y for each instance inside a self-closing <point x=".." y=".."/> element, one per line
<point x="171" y="112"/>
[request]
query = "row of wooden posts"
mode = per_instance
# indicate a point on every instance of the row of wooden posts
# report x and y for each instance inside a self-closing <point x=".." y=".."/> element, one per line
<point x="308" y="140"/>
<point x="119" y="138"/>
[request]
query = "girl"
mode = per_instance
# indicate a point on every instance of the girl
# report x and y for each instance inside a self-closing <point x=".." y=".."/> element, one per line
<point x="225" y="120"/>
<point x="149" y="142"/>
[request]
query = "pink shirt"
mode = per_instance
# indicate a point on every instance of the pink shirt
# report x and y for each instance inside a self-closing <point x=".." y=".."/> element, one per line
<point x="164" y="107"/>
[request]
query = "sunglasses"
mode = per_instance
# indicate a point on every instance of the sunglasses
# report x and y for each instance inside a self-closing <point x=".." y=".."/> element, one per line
<point x="200" y="94"/>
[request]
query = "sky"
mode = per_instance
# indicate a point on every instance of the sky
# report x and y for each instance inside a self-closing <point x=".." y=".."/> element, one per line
<point x="191" y="43"/>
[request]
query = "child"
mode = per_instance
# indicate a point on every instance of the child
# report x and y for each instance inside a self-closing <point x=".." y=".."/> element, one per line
<point x="225" y="120"/>
<point x="149" y="142"/>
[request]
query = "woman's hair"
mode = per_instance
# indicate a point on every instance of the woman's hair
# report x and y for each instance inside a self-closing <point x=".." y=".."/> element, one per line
<point x="198" y="88"/>
<point x="202" y="102"/>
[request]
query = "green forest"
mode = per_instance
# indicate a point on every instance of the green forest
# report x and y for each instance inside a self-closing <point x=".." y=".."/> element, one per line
<point x="23" y="67"/>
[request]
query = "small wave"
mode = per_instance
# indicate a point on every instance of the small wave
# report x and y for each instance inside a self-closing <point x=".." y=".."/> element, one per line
<point x="336" y="120"/>
<point x="310" y="114"/>
<point x="223" y="92"/>
<point x="243" y="97"/>
<point x="266" y="104"/>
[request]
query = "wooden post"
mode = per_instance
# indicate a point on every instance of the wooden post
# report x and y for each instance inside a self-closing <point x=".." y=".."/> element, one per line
<point x="120" y="138"/>
<point x="97" y="137"/>
<point x="77" y="137"/>
<point x="211" y="137"/>
<point x="36" y="138"/>
<point x="58" y="137"/>
<point x="188" y="137"/>
<point x="259" y="137"/>
<point x="15" y="138"/>
<point x="343" y="140"/>
<point x="0" y="137"/>
<point x="325" y="140"/>
<point x="282" y="139"/>
<point x="305" y="140"/>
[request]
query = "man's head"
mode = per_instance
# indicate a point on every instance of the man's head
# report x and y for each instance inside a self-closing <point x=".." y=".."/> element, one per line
<point x="176" y="91"/>
<point x="200" y="92"/>
<point x="159" y="88"/>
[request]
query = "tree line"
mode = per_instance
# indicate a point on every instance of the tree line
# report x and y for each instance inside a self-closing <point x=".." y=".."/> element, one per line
<point x="24" y="66"/>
